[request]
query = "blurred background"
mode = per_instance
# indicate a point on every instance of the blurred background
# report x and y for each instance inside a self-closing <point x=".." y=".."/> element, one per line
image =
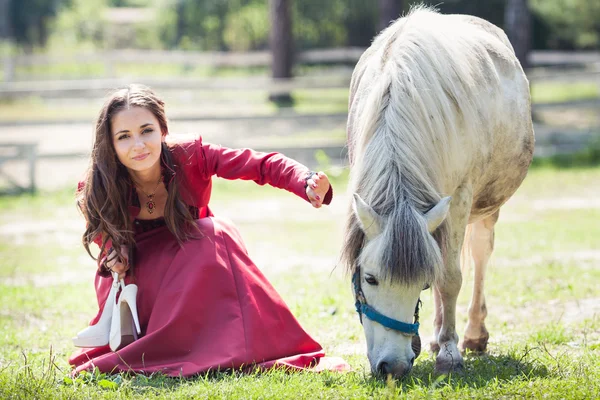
<point x="274" y="75"/>
<point x="269" y="74"/>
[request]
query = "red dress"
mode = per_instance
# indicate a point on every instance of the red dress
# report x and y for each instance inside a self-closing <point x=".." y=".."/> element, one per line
<point x="205" y="305"/>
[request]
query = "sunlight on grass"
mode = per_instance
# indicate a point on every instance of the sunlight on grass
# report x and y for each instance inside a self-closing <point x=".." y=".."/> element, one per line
<point x="550" y="92"/>
<point x="181" y="70"/>
<point x="552" y="334"/>
<point x="61" y="71"/>
<point x="321" y="101"/>
<point x="543" y="275"/>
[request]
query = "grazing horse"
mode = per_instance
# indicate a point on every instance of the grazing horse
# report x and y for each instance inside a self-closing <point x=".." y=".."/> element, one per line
<point x="439" y="137"/>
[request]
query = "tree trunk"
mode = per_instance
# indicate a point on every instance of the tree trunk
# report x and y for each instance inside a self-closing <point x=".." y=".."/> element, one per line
<point x="281" y="44"/>
<point x="42" y="31"/>
<point x="517" y="25"/>
<point x="180" y="25"/>
<point x="389" y="10"/>
<point x="5" y="23"/>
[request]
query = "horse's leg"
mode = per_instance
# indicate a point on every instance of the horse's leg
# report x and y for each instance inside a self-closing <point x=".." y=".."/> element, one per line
<point x="437" y="319"/>
<point x="449" y="357"/>
<point x="482" y="245"/>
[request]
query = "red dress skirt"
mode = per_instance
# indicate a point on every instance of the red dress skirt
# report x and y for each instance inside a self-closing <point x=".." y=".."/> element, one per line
<point x="204" y="306"/>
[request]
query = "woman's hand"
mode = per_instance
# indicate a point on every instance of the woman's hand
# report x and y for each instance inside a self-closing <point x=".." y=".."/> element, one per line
<point x="114" y="265"/>
<point x="316" y="189"/>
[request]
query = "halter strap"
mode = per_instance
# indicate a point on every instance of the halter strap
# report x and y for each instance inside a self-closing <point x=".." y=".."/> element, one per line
<point x="363" y="308"/>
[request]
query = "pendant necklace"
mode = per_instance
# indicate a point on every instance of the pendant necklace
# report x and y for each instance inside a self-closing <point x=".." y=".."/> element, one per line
<point x="151" y="204"/>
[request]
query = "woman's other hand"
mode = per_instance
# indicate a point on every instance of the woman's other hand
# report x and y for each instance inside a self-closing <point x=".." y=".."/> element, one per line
<point x="317" y="187"/>
<point x="114" y="265"/>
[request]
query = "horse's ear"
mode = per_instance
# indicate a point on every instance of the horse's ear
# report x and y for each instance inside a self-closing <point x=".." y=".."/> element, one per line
<point x="437" y="214"/>
<point x="368" y="219"/>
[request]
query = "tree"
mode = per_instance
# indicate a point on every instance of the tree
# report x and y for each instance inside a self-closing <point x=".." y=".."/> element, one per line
<point x="180" y="18"/>
<point x="5" y="26"/>
<point x="517" y="25"/>
<point x="566" y="24"/>
<point x="389" y="10"/>
<point x="282" y="46"/>
<point x="30" y="20"/>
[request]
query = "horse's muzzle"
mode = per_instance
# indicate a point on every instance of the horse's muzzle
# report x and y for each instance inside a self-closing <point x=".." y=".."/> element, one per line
<point x="396" y="370"/>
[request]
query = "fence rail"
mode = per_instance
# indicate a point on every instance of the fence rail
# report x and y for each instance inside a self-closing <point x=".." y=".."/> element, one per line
<point x="344" y="56"/>
<point x="94" y="88"/>
<point x="98" y="87"/>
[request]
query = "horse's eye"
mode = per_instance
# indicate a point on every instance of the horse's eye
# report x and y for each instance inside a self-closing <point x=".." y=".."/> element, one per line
<point x="370" y="279"/>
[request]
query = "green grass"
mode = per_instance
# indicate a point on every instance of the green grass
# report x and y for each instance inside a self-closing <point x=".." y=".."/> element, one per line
<point x="71" y="70"/>
<point x="545" y="342"/>
<point x="61" y="71"/>
<point x="550" y="92"/>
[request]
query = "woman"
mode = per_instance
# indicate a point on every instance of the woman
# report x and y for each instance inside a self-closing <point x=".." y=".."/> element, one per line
<point x="201" y="302"/>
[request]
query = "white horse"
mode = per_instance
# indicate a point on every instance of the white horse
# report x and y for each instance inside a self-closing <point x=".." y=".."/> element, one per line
<point x="440" y="136"/>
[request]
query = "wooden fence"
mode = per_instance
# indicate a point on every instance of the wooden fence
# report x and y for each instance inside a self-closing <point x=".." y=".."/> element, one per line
<point x="17" y="83"/>
<point x="548" y="66"/>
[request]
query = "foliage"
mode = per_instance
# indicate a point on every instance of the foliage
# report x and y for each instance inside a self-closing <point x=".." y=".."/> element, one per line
<point x="30" y="20"/>
<point x="247" y="28"/>
<point x="244" y="24"/>
<point x="570" y="24"/>
<point x="490" y="10"/>
<point x="348" y="23"/>
<point x="197" y="25"/>
<point x="79" y="25"/>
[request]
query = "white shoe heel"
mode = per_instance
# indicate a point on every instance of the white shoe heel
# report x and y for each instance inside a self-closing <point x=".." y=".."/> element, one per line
<point x="98" y="335"/>
<point x="125" y="326"/>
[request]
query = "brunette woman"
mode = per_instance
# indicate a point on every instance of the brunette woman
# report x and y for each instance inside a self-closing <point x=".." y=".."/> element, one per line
<point x="201" y="304"/>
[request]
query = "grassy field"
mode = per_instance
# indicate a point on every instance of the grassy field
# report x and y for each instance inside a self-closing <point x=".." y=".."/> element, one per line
<point x="541" y="290"/>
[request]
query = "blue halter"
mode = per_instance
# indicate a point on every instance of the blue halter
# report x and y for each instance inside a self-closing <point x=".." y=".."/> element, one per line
<point x="363" y="308"/>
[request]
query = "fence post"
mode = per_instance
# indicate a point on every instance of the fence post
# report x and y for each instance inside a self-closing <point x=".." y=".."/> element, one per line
<point x="32" y="156"/>
<point x="9" y="68"/>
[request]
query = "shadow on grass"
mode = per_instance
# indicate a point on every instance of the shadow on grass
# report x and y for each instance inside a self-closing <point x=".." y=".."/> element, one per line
<point x="479" y="371"/>
<point x="524" y="364"/>
<point x="589" y="157"/>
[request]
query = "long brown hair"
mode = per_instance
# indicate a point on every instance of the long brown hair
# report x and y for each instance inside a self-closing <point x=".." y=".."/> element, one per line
<point x="105" y="197"/>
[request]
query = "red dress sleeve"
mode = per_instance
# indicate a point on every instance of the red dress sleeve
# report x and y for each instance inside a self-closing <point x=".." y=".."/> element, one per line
<point x="274" y="169"/>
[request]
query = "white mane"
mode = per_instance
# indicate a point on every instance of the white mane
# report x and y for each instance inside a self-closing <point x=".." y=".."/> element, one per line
<point x="416" y="101"/>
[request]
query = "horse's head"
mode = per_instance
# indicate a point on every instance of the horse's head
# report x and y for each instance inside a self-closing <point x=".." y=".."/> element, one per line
<point x="387" y="295"/>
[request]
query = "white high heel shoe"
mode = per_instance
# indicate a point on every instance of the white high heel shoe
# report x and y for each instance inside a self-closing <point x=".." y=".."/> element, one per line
<point x="97" y="335"/>
<point x="125" y="318"/>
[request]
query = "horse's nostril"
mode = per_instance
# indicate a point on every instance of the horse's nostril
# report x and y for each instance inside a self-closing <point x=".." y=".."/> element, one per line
<point x="412" y="361"/>
<point x="383" y="368"/>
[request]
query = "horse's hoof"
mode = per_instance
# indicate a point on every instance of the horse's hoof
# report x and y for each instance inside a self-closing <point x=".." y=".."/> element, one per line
<point x="475" y="345"/>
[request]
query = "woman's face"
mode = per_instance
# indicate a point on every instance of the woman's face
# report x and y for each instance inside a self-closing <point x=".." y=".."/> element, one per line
<point x="137" y="139"/>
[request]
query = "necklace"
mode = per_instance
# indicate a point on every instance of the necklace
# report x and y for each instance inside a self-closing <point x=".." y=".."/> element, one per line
<point x="151" y="204"/>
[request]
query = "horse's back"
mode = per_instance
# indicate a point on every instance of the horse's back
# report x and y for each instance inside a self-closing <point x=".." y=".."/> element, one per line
<point x="492" y="145"/>
<point x="498" y="174"/>
<point x="485" y="26"/>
